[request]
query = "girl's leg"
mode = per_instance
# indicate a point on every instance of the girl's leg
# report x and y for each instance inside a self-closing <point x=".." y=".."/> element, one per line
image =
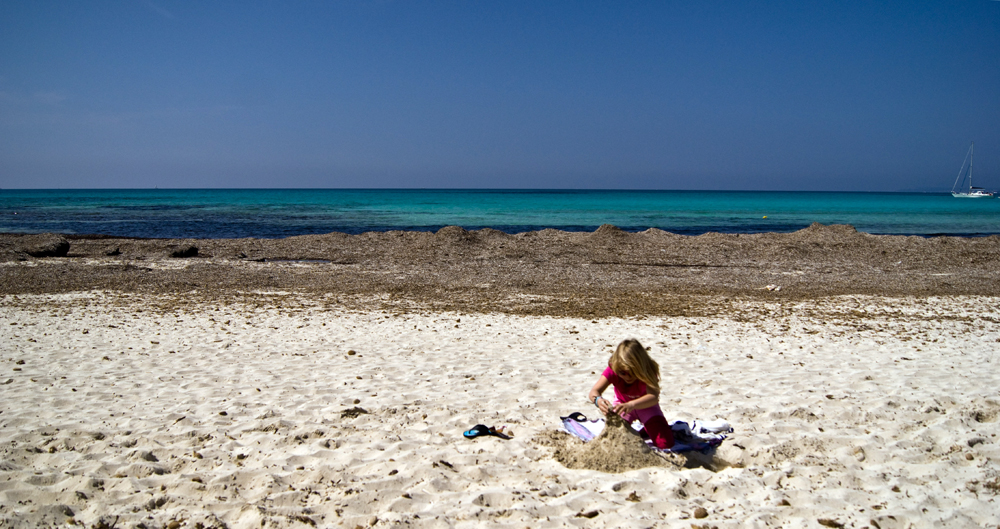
<point x="659" y="432"/>
<point x="656" y="427"/>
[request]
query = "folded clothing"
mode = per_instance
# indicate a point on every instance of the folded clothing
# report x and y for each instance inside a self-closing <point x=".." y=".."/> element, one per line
<point x="578" y="425"/>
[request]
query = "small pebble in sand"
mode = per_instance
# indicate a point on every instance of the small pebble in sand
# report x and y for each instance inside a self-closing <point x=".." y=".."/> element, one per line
<point x="700" y="512"/>
<point x="352" y="352"/>
<point x="357" y="401"/>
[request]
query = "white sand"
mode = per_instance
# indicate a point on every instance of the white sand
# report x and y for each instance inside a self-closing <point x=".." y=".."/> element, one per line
<point x="860" y="412"/>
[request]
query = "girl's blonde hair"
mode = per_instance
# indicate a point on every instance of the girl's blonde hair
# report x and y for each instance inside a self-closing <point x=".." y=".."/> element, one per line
<point x="631" y="356"/>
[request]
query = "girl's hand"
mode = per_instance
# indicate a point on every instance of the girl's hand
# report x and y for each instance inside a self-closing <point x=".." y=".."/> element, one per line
<point x="624" y="408"/>
<point x="603" y="405"/>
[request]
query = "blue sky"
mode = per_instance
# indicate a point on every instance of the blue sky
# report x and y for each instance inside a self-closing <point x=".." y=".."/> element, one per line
<point x="798" y="95"/>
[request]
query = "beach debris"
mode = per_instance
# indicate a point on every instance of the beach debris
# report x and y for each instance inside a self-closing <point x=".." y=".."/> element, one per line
<point x="351" y="413"/>
<point x="975" y="441"/>
<point x="44" y="245"/>
<point x="610" y="230"/>
<point x="302" y="519"/>
<point x="186" y="250"/>
<point x="700" y="512"/>
<point x="773" y="288"/>
<point x="105" y="522"/>
<point x="588" y="514"/>
<point x="633" y="497"/>
<point x="147" y="456"/>
<point x="828" y="522"/>
<point x="112" y="251"/>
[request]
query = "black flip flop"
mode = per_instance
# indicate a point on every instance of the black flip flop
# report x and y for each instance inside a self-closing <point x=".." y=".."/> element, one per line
<point x="576" y="416"/>
<point x="499" y="433"/>
<point x="476" y="431"/>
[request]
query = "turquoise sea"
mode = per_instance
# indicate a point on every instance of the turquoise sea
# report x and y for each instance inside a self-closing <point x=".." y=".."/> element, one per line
<point x="274" y="213"/>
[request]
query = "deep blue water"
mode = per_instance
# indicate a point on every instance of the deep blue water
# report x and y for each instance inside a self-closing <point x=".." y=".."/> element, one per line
<point x="273" y="213"/>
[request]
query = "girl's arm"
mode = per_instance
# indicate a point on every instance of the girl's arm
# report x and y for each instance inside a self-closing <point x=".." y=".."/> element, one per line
<point x="602" y="403"/>
<point x="648" y="400"/>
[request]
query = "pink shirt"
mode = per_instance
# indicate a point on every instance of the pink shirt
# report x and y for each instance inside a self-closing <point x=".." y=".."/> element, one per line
<point x="624" y="392"/>
<point x="627" y="392"/>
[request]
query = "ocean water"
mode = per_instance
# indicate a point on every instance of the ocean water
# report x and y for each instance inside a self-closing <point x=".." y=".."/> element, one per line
<point x="275" y="213"/>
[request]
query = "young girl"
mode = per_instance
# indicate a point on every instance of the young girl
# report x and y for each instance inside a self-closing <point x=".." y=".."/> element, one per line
<point x="636" y="378"/>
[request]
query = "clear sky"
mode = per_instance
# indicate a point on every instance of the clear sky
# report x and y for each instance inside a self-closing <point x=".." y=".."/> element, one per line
<point x="797" y="95"/>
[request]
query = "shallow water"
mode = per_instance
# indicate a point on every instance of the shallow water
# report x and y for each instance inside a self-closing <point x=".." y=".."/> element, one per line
<point x="274" y="213"/>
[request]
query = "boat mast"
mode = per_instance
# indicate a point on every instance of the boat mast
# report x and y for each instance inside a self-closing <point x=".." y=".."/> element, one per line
<point x="972" y="154"/>
<point x="959" y="179"/>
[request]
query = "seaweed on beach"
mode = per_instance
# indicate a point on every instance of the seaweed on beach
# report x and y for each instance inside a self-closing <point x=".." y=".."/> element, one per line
<point x="606" y="273"/>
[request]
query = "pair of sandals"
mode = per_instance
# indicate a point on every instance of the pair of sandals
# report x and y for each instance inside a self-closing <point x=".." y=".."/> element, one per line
<point x="482" y="429"/>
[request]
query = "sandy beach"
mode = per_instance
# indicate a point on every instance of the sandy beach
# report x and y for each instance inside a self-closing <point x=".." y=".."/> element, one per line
<point x="268" y="390"/>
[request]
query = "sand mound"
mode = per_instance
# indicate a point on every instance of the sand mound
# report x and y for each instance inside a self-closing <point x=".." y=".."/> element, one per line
<point x="618" y="449"/>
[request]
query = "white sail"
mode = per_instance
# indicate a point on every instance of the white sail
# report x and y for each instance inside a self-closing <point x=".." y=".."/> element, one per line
<point x="973" y="192"/>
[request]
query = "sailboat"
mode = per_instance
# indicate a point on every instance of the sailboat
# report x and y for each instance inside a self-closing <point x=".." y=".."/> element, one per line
<point x="973" y="192"/>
